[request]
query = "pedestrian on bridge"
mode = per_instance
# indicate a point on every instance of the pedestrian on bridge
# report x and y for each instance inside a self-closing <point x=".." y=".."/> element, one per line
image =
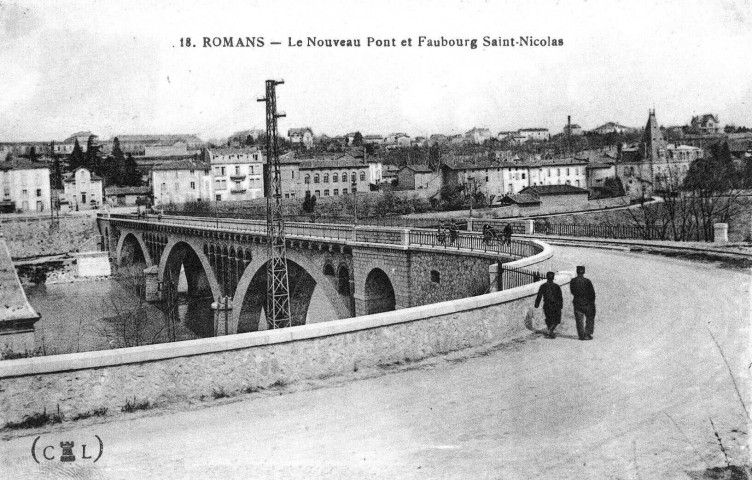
<point x="553" y="302"/>
<point x="583" y="295"/>
<point x="508" y="234"/>
<point x="453" y="231"/>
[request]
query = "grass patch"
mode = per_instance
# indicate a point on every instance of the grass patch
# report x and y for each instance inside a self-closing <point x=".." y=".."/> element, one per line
<point x="217" y="394"/>
<point x="132" y="406"/>
<point x="36" y="420"/>
<point x="97" y="412"/>
<point x="278" y="384"/>
<point x="251" y="389"/>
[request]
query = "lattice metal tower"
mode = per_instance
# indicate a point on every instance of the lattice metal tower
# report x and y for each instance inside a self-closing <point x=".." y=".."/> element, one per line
<point x="278" y="287"/>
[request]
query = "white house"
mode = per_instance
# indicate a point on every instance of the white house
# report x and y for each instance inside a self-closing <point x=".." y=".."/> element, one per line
<point x="182" y="181"/>
<point x="537" y="134"/>
<point x="26" y="186"/>
<point x="238" y="174"/>
<point x="83" y="189"/>
<point x="301" y="136"/>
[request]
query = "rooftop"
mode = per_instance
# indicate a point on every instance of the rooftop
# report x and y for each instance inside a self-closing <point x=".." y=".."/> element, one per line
<point x="542" y="190"/>
<point x="183" y="165"/>
<point x="22" y="164"/>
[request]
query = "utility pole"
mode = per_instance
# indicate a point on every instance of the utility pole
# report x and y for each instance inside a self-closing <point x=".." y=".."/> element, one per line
<point x="277" y="283"/>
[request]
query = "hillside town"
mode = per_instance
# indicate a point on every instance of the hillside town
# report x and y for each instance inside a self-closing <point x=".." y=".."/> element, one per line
<point x="518" y="167"/>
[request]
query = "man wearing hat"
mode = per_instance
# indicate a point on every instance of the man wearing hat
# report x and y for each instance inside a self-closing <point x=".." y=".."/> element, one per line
<point x="583" y="295"/>
<point x="550" y="292"/>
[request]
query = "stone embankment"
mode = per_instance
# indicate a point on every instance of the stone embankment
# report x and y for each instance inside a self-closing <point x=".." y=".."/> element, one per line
<point x="31" y="237"/>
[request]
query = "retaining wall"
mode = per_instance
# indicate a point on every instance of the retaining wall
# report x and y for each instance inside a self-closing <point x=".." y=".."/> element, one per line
<point x="186" y="371"/>
<point x="39" y="236"/>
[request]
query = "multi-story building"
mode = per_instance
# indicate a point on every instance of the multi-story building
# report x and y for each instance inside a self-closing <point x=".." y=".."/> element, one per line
<point x="558" y="171"/>
<point x="704" y="124"/>
<point x="238" y="174"/>
<point x="301" y="136"/>
<point x="373" y="139"/>
<point x="26" y="186"/>
<point x="333" y="176"/>
<point x="83" y="189"/>
<point x="418" y="177"/>
<point x="598" y="172"/>
<point x="653" y="165"/>
<point x="478" y="136"/>
<point x="611" y="127"/>
<point x="157" y="145"/>
<point x="537" y="134"/>
<point x="289" y="170"/>
<point x="182" y="181"/>
<point x="397" y="140"/>
<point x="496" y="179"/>
<point x="573" y="129"/>
<point x="23" y="148"/>
<point x="375" y="170"/>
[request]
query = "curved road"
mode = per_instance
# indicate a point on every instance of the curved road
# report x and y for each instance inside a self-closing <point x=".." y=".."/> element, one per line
<point x="636" y="402"/>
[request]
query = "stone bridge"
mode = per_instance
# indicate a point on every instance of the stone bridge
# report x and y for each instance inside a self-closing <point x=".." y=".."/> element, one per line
<point x="358" y="270"/>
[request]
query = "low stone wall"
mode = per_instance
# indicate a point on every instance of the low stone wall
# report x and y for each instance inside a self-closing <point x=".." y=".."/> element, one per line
<point x="186" y="371"/>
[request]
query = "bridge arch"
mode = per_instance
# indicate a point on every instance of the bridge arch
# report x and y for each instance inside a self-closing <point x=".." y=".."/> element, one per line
<point x="131" y="248"/>
<point x="379" y="292"/>
<point x="199" y="274"/>
<point x="252" y="284"/>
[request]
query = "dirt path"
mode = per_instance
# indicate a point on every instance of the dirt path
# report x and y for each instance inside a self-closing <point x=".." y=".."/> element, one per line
<point x="634" y="403"/>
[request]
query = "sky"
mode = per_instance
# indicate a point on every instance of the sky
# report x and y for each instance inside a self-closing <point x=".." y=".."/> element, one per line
<point x="117" y="67"/>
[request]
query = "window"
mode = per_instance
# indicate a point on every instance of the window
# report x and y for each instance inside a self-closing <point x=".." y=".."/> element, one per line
<point x="317" y="193"/>
<point x="567" y="172"/>
<point x="237" y="169"/>
<point x="353" y="178"/>
<point x="549" y="172"/>
<point x="326" y="178"/>
<point x="326" y="193"/>
<point x="435" y="276"/>
<point x="39" y="192"/>
<point x="316" y="178"/>
<point x="486" y="178"/>
<point x="24" y="192"/>
<point x="223" y="170"/>
<point x="344" y="177"/>
<point x="218" y="198"/>
<point x="237" y="185"/>
<point x="354" y="189"/>
<point x="523" y="176"/>
<point x="193" y="185"/>
<point x="336" y="191"/>
<point x="558" y="172"/>
<point x="335" y="178"/>
<point x="344" y="191"/>
<point x="287" y="195"/>
<point x="191" y="172"/>
<point x="307" y="179"/>
<point x="362" y="176"/>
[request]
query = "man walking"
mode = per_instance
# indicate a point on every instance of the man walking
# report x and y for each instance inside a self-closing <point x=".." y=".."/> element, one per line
<point x="584" y="304"/>
<point x="550" y="292"/>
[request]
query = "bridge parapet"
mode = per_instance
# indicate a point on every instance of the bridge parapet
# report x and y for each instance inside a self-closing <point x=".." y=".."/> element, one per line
<point x="345" y="234"/>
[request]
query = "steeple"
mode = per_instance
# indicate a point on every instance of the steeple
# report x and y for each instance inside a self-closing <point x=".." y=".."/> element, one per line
<point x="652" y="139"/>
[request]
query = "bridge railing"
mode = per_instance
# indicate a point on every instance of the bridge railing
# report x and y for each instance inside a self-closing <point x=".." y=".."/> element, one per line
<point x="473" y="241"/>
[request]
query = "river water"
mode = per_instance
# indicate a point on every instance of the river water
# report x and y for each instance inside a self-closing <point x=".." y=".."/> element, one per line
<point x="90" y="315"/>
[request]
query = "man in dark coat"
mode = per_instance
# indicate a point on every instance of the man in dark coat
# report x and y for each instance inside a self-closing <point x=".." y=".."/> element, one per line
<point x="508" y="234"/>
<point x="550" y="292"/>
<point x="583" y="295"/>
